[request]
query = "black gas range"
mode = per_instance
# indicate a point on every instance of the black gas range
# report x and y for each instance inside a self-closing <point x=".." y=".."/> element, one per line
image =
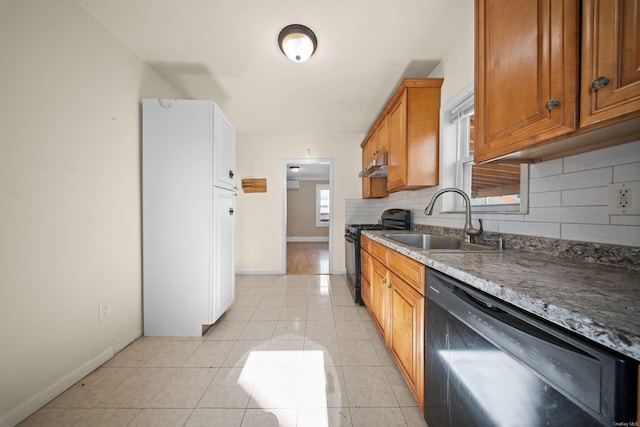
<point x="391" y="219"/>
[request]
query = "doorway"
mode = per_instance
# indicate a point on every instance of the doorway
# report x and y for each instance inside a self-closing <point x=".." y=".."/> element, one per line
<point x="308" y="220"/>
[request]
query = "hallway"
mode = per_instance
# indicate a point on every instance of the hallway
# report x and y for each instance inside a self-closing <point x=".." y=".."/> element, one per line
<point x="308" y="258"/>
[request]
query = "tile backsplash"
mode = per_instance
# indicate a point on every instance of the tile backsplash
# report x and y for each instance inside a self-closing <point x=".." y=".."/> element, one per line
<point x="568" y="200"/>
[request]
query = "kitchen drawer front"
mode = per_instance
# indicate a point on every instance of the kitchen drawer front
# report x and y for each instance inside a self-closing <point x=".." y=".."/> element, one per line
<point x="408" y="269"/>
<point x="379" y="251"/>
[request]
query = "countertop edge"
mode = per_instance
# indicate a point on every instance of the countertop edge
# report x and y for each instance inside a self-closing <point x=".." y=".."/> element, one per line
<point x="609" y="336"/>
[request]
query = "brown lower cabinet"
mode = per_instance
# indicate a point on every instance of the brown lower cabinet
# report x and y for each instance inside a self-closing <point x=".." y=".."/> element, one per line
<point x="405" y="336"/>
<point x="393" y="292"/>
<point x="365" y="278"/>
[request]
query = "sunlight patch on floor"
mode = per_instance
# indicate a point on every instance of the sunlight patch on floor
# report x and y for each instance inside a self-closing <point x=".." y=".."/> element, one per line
<point x="286" y="379"/>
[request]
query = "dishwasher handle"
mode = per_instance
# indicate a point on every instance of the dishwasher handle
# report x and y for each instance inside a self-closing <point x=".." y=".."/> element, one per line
<point x="492" y="315"/>
<point x="482" y="304"/>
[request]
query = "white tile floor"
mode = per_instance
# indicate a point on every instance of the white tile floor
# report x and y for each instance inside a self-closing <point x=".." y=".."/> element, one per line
<point x="292" y="351"/>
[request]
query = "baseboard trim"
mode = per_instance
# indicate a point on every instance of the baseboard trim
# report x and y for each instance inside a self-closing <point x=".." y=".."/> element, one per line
<point x="279" y="273"/>
<point x="37" y="401"/>
<point x="257" y="272"/>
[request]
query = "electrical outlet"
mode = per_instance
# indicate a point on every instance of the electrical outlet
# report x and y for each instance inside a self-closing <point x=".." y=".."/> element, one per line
<point x="104" y="310"/>
<point x="623" y="198"/>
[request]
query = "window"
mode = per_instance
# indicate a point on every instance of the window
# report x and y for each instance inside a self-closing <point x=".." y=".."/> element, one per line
<point x="491" y="187"/>
<point x="323" y="205"/>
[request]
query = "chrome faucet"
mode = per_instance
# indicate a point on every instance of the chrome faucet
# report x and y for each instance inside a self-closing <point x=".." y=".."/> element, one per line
<point x="468" y="226"/>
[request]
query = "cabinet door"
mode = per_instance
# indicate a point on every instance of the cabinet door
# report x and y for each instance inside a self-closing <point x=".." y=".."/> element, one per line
<point x="372" y="187"/>
<point x="365" y="291"/>
<point x="379" y="292"/>
<point x="397" y="144"/>
<point x="526" y="74"/>
<point x="223" y="274"/>
<point x="423" y="135"/>
<point x="381" y="137"/>
<point x="611" y="53"/>
<point x="365" y="264"/>
<point x="367" y="152"/>
<point x="366" y="182"/>
<point x="365" y="276"/>
<point x="224" y="150"/>
<point x="406" y="332"/>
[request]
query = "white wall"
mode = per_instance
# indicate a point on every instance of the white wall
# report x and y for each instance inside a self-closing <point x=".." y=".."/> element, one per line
<point x="301" y="213"/>
<point x="456" y="67"/>
<point x="259" y="233"/>
<point x="69" y="198"/>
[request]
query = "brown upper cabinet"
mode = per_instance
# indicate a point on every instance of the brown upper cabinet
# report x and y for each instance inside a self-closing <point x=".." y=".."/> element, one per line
<point x="373" y="187"/>
<point x="533" y="95"/>
<point x="378" y="140"/>
<point x="408" y="129"/>
<point x="610" y="87"/>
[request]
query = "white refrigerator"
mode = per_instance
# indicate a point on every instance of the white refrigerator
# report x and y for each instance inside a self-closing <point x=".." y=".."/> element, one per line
<point x="188" y="227"/>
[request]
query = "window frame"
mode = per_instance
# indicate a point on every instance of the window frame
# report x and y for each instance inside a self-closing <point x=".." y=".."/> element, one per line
<point x="319" y="189"/>
<point x="452" y="171"/>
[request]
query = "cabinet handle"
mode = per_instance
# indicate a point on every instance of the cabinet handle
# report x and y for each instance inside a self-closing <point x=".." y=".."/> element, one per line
<point x="551" y="104"/>
<point x="599" y="83"/>
<point x="230" y="174"/>
<point x="231" y="211"/>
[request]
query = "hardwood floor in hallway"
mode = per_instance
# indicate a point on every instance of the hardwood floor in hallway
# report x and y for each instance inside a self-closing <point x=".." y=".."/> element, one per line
<point x="308" y="258"/>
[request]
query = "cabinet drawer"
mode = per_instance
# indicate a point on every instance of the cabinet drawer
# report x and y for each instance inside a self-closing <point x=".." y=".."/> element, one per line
<point x="408" y="269"/>
<point x="379" y="251"/>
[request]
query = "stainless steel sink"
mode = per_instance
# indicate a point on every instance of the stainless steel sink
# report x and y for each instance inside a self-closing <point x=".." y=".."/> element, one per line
<point x="430" y="242"/>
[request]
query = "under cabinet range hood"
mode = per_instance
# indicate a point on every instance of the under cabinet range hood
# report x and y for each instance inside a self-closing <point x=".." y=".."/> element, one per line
<point x="377" y="168"/>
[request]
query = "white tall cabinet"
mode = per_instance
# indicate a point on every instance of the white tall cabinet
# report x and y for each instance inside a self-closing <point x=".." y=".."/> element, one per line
<point x="188" y="202"/>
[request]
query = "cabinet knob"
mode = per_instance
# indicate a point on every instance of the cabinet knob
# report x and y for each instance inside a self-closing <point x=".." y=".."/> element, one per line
<point x="551" y="104"/>
<point x="231" y="174"/>
<point x="599" y="83"/>
<point x="231" y="211"/>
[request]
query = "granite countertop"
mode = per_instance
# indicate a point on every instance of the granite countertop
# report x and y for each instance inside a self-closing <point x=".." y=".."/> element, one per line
<point x="598" y="302"/>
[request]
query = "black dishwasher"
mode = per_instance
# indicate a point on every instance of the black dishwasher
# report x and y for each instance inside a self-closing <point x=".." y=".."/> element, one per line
<point x="490" y="364"/>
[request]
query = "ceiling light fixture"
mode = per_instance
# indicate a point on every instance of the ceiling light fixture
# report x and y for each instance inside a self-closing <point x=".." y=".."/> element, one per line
<point x="297" y="42"/>
<point x="294" y="169"/>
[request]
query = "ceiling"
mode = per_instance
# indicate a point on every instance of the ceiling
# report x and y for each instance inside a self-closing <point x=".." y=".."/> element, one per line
<point x="227" y="51"/>
<point x="309" y="170"/>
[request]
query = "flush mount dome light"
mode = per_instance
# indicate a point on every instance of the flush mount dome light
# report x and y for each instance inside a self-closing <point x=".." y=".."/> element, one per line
<point x="297" y="42"/>
<point x="294" y="168"/>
